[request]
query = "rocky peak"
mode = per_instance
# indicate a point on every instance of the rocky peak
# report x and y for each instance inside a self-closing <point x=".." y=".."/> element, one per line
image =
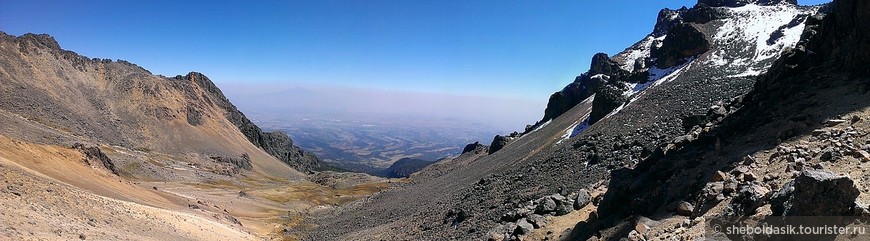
<point x="40" y="40"/>
<point x="740" y="3"/>
<point x="202" y="81"/>
<point x="601" y="64"/>
<point x="665" y="20"/>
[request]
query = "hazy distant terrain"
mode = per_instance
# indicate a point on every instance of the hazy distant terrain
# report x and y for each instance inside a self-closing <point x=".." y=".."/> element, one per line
<point x="367" y="130"/>
<point x="370" y="142"/>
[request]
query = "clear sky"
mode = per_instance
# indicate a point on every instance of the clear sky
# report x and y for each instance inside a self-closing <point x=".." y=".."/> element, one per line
<point x="516" y="49"/>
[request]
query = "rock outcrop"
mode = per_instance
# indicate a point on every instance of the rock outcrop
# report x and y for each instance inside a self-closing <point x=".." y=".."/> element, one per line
<point x="94" y="154"/>
<point x="607" y="99"/>
<point x="234" y="165"/>
<point x="683" y="41"/>
<point x="498" y="142"/>
<point x="474" y="147"/>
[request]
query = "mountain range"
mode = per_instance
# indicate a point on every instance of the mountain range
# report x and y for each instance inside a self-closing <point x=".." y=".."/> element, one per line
<point x="728" y="110"/>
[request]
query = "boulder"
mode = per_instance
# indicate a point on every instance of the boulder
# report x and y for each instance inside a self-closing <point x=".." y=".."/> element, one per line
<point x="815" y="193"/>
<point x="685" y="208"/>
<point x="564" y="207"/>
<point x="582" y="199"/>
<point x="537" y="220"/>
<point x="545" y="205"/>
<point x="719" y="176"/>
<point x="523" y="227"/>
<point x="829" y="154"/>
<point x="749" y="198"/>
<point x="713" y="190"/>
<point x="500" y="232"/>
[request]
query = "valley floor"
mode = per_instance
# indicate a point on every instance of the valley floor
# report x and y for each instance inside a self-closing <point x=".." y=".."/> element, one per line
<point x="50" y="192"/>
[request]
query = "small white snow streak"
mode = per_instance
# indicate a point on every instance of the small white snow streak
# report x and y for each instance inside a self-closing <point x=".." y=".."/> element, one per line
<point x="540" y="126"/>
<point x="655" y="74"/>
<point x="666" y="75"/>
<point x="656" y="77"/>
<point x="749" y="72"/>
<point x="576" y="128"/>
<point x="638" y="51"/>
<point x="603" y="76"/>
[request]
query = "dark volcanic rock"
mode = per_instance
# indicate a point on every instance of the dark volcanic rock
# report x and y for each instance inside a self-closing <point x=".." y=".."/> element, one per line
<point x="279" y="144"/>
<point x="667" y="18"/>
<point x="683" y="41"/>
<point x="607" y="99"/>
<point x="602" y="64"/>
<point x="546" y="205"/>
<point x="749" y="198"/>
<point x="685" y="208"/>
<point x="93" y="153"/>
<point x="603" y="71"/>
<point x="575" y="92"/>
<point x="702" y="13"/>
<point x="473" y="147"/>
<point x="815" y="193"/>
<point x="498" y="142"/>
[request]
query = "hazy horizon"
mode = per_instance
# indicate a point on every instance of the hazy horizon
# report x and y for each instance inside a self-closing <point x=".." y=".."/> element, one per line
<point x="504" y="114"/>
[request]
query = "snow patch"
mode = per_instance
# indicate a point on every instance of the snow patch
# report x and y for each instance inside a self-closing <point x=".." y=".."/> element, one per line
<point x="748" y="73"/>
<point x="757" y="23"/>
<point x="575" y="129"/>
<point x="579" y="128"/>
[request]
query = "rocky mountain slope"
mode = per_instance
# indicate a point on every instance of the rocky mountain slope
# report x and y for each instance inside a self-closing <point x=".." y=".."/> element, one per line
<point x="656" y="96"/>
<point x="795" y="146"/>
<point x="125" y="154"/>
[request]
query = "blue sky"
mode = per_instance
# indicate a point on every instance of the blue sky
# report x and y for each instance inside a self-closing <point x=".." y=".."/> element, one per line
<point x="513" y="49"/>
